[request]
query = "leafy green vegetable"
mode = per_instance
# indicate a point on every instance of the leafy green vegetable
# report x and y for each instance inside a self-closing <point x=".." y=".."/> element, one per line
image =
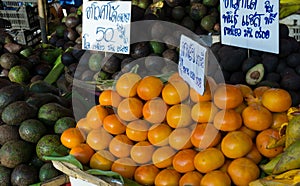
<point x="55" y="71"/>
<point x="69" y="159"/>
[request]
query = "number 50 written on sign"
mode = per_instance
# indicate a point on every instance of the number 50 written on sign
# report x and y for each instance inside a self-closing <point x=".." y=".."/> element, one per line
<point x="105" y="34"/>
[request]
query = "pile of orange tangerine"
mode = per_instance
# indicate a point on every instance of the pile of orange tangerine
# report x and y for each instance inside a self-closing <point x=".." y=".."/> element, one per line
<point x="165" y="133"/>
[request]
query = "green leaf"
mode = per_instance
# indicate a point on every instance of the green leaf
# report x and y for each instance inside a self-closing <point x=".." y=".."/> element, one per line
<point x="69" y="159"/>
<point x="36" y="184"/>
<point x="129" y="182"/>
<point x="98" y="172"/>
<point x="55" y="72"/>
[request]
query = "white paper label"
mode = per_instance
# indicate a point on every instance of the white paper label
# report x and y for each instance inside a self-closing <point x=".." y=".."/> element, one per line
<point x="252" y="24"/>
<point x="192" y="63"/>
<point x="106" y="26"/>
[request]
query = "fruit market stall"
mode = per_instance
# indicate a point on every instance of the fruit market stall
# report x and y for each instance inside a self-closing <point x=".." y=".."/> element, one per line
<point x="72" y="113"/>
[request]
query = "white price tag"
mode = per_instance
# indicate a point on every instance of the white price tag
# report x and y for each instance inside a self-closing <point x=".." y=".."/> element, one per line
<point x="192" y="63"/>
<point x="252" y="24"/>
<point x="106" y="26"/>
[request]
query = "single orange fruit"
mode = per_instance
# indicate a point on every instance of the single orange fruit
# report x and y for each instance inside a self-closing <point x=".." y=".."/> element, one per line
<point x="120" y="146"/>
<point x="276" y="100"/>
<point x="145" y="174"/>
<point x="127" y="83"/>
<point x="109" y="98"/>
<point x="278" y="119"/>
<point x="102" y="160"/>
<point x="254" y="155"/>
<point x="183" y="160"/>
<point x="175" y="92"/>
<point x="205" y="135"/>
<point x="142" y="152"/>
<point x="96" y="115"/>
<point x="163" y="157"/>
<point x="257" y="117"/>
<point x="167" y="177"/>
<point x="82" y="152"/>
<point x="227" y="96"/>
<point x="250" y="132"/>
<point x="158" y="134"/>
<point x="149" y="87"/>
<point x="264" y="139"/>
<point x="83" y="126"/>
<point x="216" y="177"/>
<point x="180" y="138"/>
<point x="179" y="115"/>
<point x="245" y="89"/>
<point x="98" y="139"/>
<point x="196" y="97"/>
<point x="125" y="167"/>
<point x="155" y="110"/>
<point x="209" y="159"/>
<point x="203" y="112"/>
<point x="227" y="120"/>
<point x="137" y="130"/>
<point x="236" y="144"/>
<point x="130" y="109"/>
<point x="242" y="171"/>
<point x="113" y="124"/>
<point x="191" y="178"/>
<point x="72" y="137"/>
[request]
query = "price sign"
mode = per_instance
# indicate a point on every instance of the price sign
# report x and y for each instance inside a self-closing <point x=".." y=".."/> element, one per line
<point x="192" y="63"/>
<point x="106" y="26"/>
<point x="252" y="24"/>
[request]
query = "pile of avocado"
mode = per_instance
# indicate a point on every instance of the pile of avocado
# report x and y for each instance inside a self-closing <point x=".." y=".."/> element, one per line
<point x="32" y="119"/>
<point x="257" y="68"/>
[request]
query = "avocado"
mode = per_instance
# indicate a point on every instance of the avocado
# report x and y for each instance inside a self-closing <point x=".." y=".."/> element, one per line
<point x="15" y="152"/>
<point x="255" y="74"/>
<point x="64" y="123"/>
<point x="5" y="176"/>
<point x="268" y="83"/>
<point x="8" y="132"/>
<point x="111" y="65"/>
<point x="32" y="130"/>
<point x="67" y="58"/>
<point x="273" y="76"/>
<point x="283" y="31"/>
<point x="9" y="60"/>
<point x="173" y="3"/>
<point x="281" y="65"/>
<point x="95" y="61"/>
<point x="232" y="60"/>
<point x="42" y="69"/>
<point x="287" y="70"/>
<point x="290" y="81"/>
<point x="210" y="3"/>
<point x="270" y="62"/>
<point x="295" y="95"/>
<point x="157" y="47"/>
<point x="154" y="62"/>
<point x="248" y="63"/>
<point x="293" y="60"/>
<point x="18" y="111"/>
<point x="188" y="23"/>
<point x="170" y="55"/>
<point x="48" y="171"/>
<point x="294" y="43"/>
<point x="24" y="175"/>
<point x="43" y="87"/>
<point x="36" y="161"/>
<point x="39" y="99"/>
<point x="48" y="145"/>
<point x="4" y="82"/>
<point x="49" y="113"/>
<point x="140" y="49"/>
<point x="285" y="47"/>
<point x="19" y="74"/>
<point x="197" y="11"/>
<point x="12" y="47"/>
<point x="178" y="13"/>
<point x="237" y="78"/>
<point x="208" y="22"/>
<point x="11" y="93"/>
